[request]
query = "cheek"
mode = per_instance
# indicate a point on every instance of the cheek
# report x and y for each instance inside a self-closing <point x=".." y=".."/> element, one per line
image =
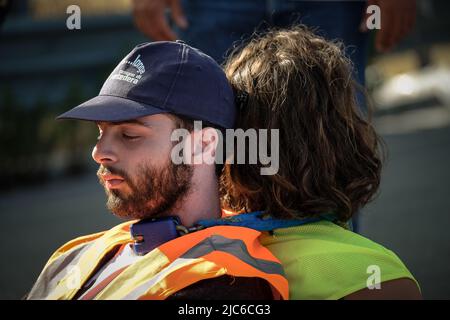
<point x="154" y="154"/>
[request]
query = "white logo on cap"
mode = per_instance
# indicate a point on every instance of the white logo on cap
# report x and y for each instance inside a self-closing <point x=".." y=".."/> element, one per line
<point x="130" y="76"/>
<point x="137" y="63"/>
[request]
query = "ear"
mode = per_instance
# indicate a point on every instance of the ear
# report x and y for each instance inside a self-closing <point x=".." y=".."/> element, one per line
<point x="206" y="142"/>
<point x="210" y="143"/>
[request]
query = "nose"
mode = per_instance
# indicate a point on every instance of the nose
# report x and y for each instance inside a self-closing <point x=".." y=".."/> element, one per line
<point x="103" y="152"/>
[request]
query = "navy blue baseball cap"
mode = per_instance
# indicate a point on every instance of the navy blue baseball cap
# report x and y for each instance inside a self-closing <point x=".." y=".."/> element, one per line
<point x="162" y="77"/>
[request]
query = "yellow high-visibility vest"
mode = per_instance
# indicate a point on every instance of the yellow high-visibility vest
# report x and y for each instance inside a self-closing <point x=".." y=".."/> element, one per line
<point x="205" y="254"/>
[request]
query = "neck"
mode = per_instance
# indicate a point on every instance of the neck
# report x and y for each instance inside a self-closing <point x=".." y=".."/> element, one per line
<point x="201" y="202"/>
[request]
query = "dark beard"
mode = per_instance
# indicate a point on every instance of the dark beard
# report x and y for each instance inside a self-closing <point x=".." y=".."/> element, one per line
<point x="153" y="193"/>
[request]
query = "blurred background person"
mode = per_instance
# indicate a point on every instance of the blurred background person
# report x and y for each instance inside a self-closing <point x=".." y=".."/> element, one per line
<point x="45" y="68"/>
<point x="214" y="26"/>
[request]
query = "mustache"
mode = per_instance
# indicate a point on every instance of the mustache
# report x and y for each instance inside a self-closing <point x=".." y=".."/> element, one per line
<point x="102" y="170"/>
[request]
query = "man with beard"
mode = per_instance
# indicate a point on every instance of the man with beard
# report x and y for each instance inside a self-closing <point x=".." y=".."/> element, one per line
<point x="161" y="252"/>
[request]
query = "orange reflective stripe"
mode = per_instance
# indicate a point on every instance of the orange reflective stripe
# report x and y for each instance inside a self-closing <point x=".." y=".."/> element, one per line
<point x="173" y="250"/>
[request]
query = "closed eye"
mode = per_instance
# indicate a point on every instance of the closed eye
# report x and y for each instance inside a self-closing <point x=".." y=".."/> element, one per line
<point x="128" y="137"/>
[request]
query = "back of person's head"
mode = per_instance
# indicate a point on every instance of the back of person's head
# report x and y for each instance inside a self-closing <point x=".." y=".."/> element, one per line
<point x="329" y="157"/>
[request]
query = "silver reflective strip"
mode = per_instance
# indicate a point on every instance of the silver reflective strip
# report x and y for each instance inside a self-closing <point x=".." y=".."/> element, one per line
<point x="235" y="247"/>
<point x="50" y="276"/>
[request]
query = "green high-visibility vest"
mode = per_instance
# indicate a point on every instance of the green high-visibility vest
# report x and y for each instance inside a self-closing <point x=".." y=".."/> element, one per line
<point x="325" y="261"/>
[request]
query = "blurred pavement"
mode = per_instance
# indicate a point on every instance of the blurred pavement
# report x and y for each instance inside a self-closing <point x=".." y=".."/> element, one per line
<point x="37" y="220"/>
<point x="411" y="215"/>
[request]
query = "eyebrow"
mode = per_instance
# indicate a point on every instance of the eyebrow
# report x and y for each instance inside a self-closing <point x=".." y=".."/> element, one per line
<point x="118" y="123"/>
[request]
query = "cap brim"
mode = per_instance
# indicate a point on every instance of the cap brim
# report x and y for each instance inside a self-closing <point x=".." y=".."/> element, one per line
<point x="110" y="108"/>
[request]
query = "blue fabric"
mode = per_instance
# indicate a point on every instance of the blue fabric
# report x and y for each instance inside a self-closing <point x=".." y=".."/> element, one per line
<point x="255" y="220"/>
<point x="214" y="25"/>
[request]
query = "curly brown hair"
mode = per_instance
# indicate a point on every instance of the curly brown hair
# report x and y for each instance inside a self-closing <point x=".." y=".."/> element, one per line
<point x="330" y="156"/>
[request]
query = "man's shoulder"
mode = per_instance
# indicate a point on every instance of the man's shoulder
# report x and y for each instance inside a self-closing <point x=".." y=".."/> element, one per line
<point x="325" y="241"/>
<point x="323" y="260"/>
<point x="322" y="236"/>
<point x="85" y="239"/>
